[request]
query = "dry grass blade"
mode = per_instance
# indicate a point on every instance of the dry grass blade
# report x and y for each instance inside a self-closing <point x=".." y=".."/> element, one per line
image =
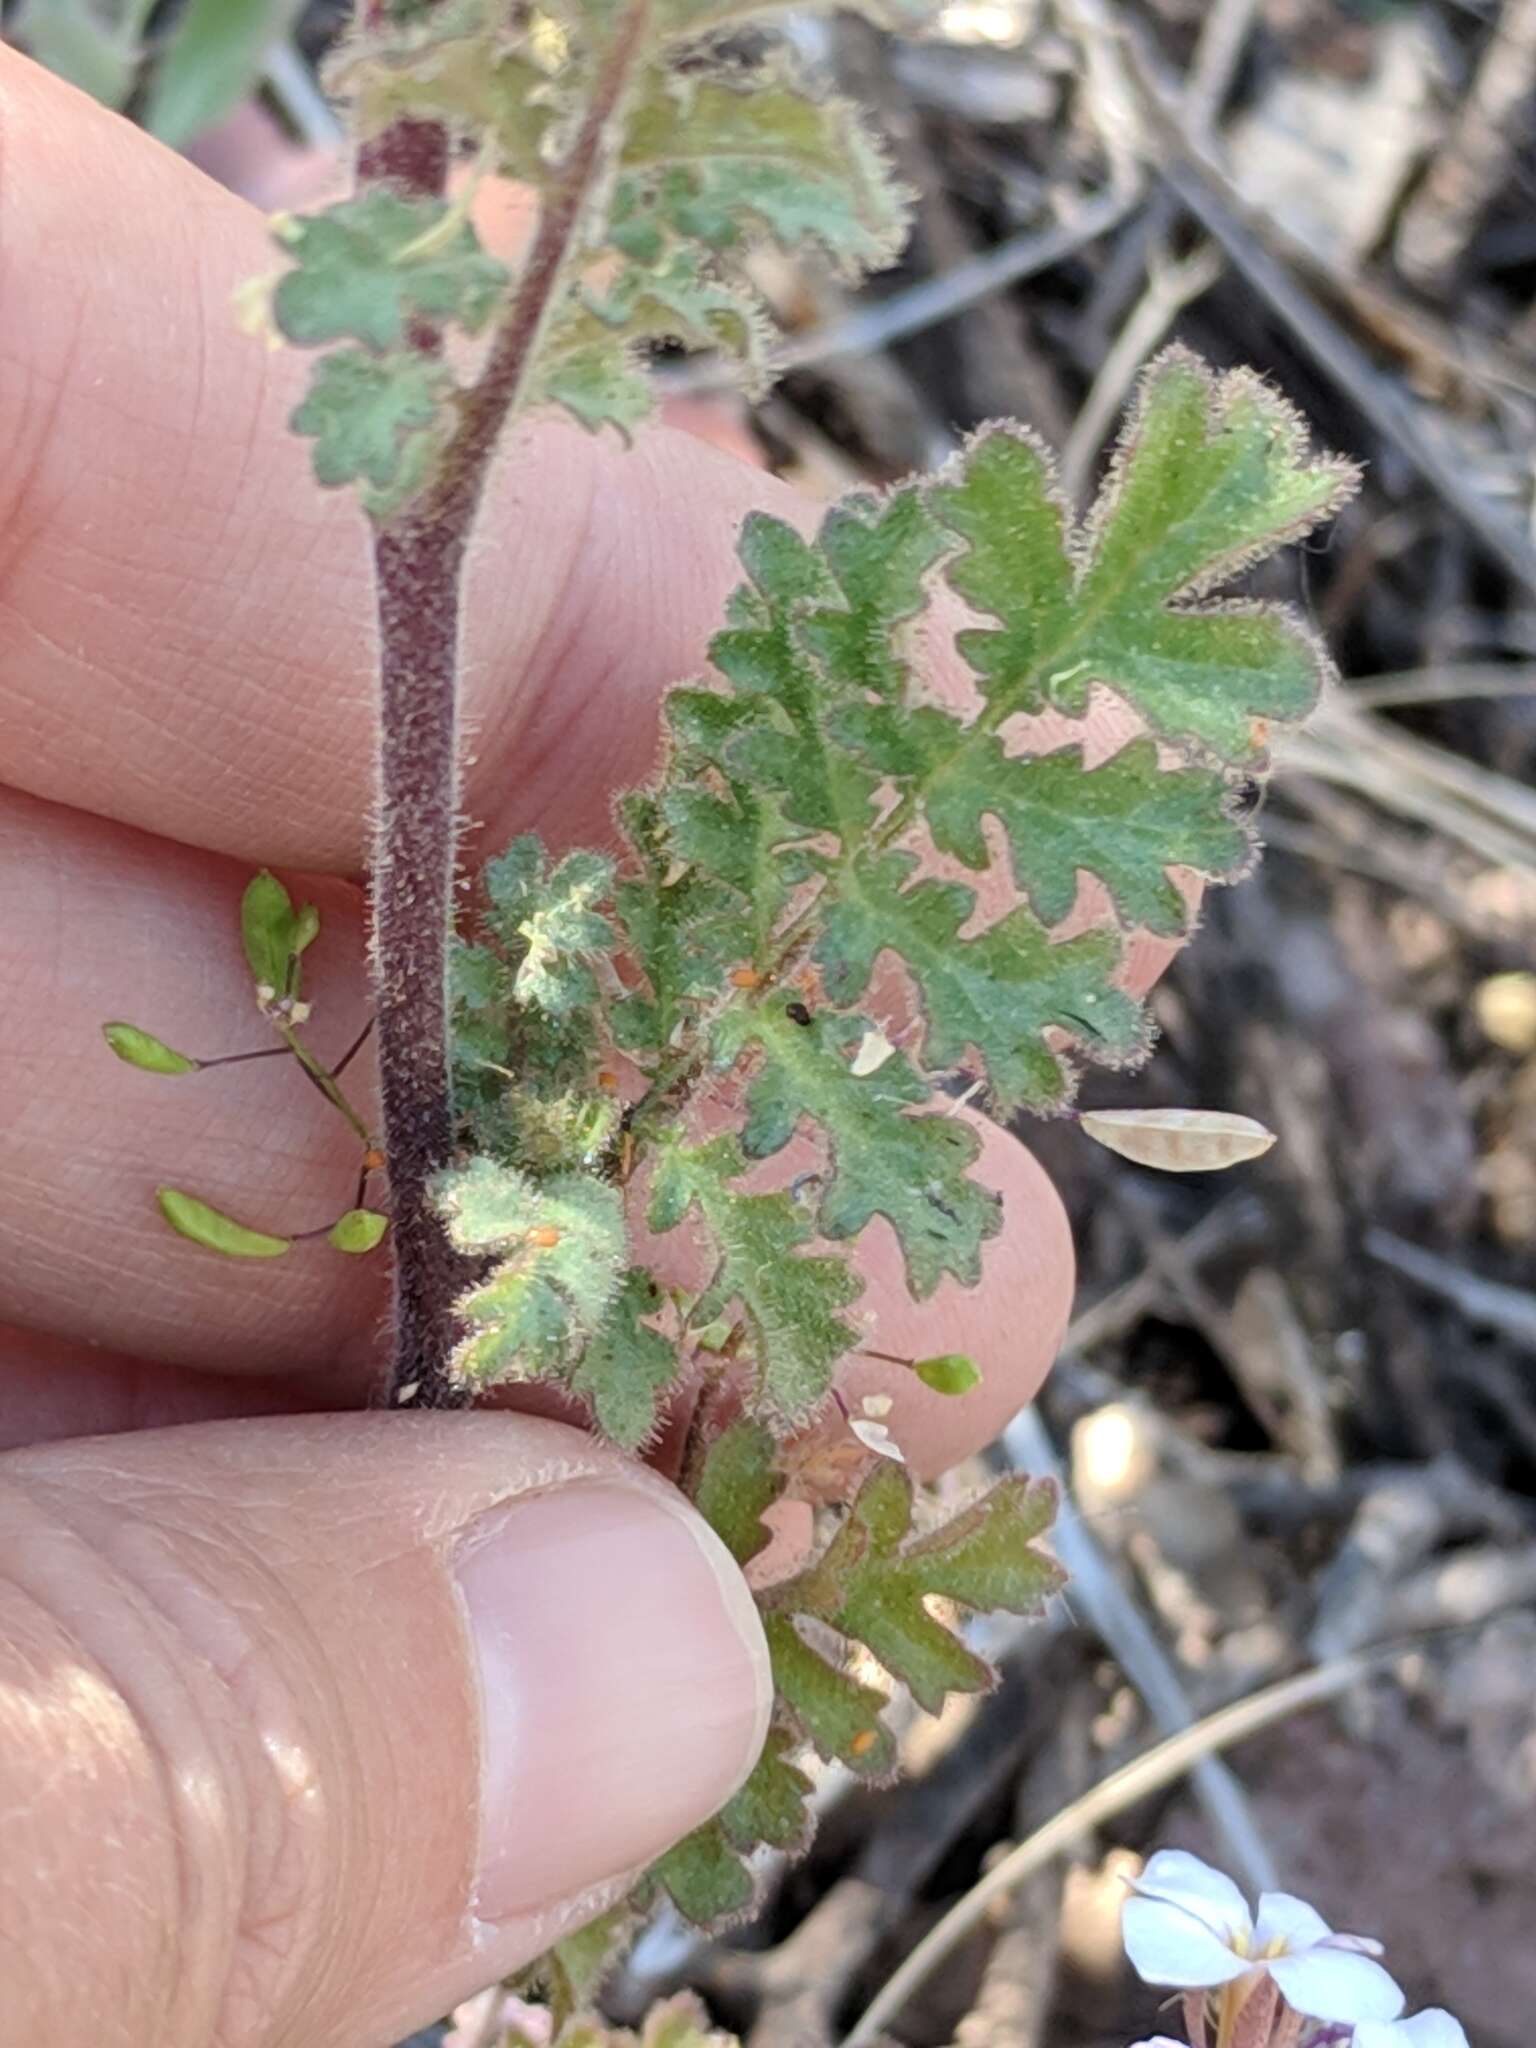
<point x="1489" y="813"/>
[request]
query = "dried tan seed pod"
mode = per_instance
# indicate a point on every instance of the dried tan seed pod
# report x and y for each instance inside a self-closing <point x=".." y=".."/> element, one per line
<point x="1178" y="1140"/>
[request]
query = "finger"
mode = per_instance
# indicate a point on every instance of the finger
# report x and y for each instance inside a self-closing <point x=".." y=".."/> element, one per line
<point x="187" y="627"/>
<point x="99" y="922"/>
<point x="51" y="1389"/>
<point x="309" y="1728"/>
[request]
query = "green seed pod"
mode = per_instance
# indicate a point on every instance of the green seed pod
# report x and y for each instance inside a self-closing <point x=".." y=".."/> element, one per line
<point x="359" y="1230"/>
<point x="306" y="927"/>
<point x="267" y="926"/>
<point x="189" y="1217"/>
<point x="141" y="1049"/>
<point x="951" y="1373"/>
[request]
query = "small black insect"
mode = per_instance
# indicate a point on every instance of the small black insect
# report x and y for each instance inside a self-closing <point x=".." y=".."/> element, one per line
<point x="797" y="1013"/>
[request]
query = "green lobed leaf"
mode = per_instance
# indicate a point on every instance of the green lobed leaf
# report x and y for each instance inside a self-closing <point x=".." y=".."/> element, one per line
<point x="561" y="1252"/>
<point x="627" y="1366"/>
<point x="1211" y="474"/>
<point x="191" y="1218"/>
<point x="872" y="1582"/>
<point x="999" y="993"/>
<point x="1127" y="822"/>
<point x="713" y="160"/>
<point x="142" y="1049"/>
<point x="600" y="382"/>
<point x="815" y="753"/>
<point x="684" y="925"/>
<point x="884" y="1161"/>
<point x="591" y="365"/>
<point x="375" y="420"/>
<point x="365" y="268"/>
<point x="870" y="1586"/>
<point x="745" y="156"/>
<point x="792" y="1301"/>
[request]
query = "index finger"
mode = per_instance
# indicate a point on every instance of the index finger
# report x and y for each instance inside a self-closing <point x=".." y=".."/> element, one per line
<point x="186" y="619"/>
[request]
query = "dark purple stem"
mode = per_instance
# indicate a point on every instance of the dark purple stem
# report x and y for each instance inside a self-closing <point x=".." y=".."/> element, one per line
<point x="419" y="561"/>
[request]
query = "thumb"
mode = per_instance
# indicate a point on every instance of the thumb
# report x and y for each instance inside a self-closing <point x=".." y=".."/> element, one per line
<point x="311" y="1727"/>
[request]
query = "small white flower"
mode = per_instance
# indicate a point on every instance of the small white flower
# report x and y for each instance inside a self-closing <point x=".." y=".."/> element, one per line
<point x="1187" y="1926"/>
<point x="874" y="1436"/>
<point x="1432" y="2028"/>
<point x="877" y="1406"/>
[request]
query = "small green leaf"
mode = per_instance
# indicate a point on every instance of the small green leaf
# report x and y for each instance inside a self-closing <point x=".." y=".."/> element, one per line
<point x="212" y="61"/>
<point x="359" y="1230"/>
<point x="189" y="1217"/>
<point x="951" y="1373"/>
<point x="573" y="1971"/>
<point x="377" y="420"/>
<point x="368" y="266"/>
<point x="141" y="1049"/>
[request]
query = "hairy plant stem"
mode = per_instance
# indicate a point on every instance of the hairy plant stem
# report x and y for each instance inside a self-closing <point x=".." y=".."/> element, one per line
<point x="419" y="564"/>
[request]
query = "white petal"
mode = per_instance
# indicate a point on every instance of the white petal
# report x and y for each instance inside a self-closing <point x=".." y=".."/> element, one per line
<point x="874" y="1436"/>
<point x="1287" y="1922"/>
<point x="1208" y="1894"/>
<point x="1337" y="1984"/>
<point x="1432" y="2028"/>
<point x="1168" y="1945"/>
<point x="1363" y="1944"/>
<point x="1158" y="2041"/>
<point x="877" y="1406"/>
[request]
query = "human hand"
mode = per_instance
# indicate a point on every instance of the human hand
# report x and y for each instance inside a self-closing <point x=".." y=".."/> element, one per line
<point x="310" y="1723"/>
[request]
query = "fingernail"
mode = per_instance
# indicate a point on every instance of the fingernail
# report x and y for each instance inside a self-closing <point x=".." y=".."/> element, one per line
<point x="623" y="1682"/>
